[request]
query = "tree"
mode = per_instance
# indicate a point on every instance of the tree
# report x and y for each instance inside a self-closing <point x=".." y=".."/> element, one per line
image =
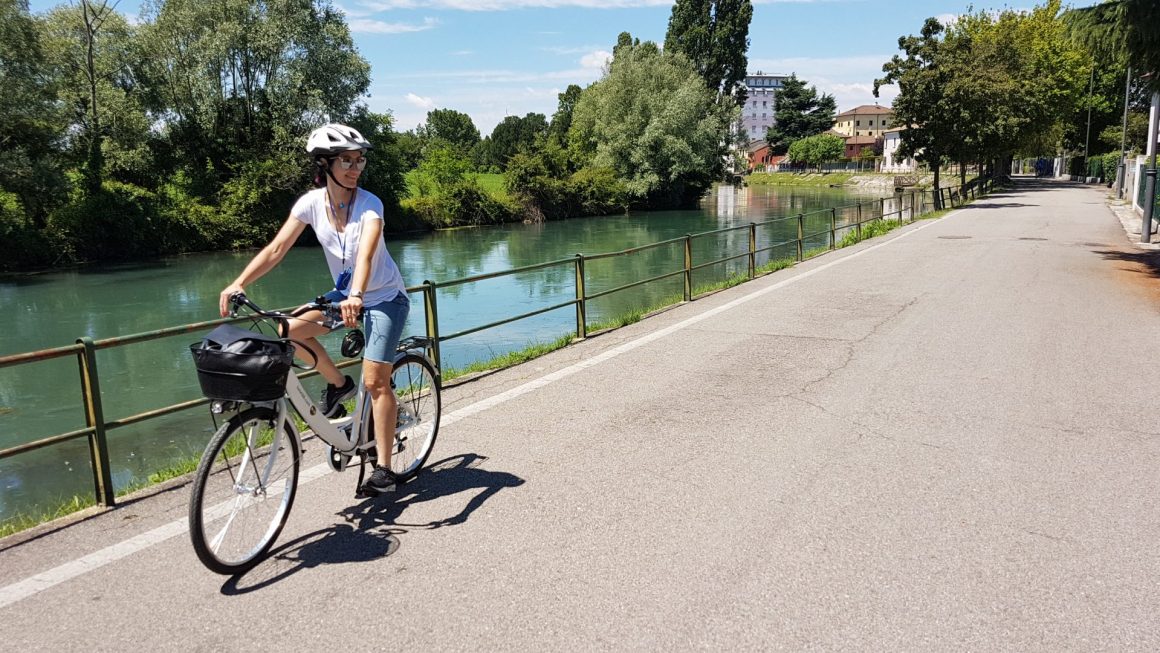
<point x="921" y="107"/>
<point x="714" y="35"/>
<point x="443" y="167"/>
<point x="562" y="119"/>
<point x="235" y="81"/>
<point x="452" y="127"/>
<point x="651" y="120"/>
<point x="29" y="122"/>
<point x="816" y="150"/>
<point x="1124" y="28"/>
<point x="1015" y="80"/>
<point x="93" y="53"/>
<point x="512" y="135"/>
<point x="410" y="146"/>
<point x="801" y="112"/>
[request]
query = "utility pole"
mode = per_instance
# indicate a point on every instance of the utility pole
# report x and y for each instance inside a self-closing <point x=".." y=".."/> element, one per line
<point x="1088" y="137"/>
<point x="1122" y="169"/>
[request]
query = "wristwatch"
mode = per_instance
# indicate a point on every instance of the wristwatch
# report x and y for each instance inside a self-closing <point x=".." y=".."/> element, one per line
<point x="357" y="293"/>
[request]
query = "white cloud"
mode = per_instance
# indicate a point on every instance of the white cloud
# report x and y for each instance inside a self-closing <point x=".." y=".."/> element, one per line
<point x="368" y="26"/>
<point x="420" y="101"/>
<point x="595" y="60"/>
<point x="461" y="53"/>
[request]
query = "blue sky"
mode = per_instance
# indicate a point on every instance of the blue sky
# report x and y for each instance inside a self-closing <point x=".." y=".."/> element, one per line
<point x="492" y="58"/>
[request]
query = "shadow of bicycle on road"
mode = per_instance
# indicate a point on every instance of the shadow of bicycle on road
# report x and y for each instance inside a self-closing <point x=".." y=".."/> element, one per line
<point x="372" y="528"/>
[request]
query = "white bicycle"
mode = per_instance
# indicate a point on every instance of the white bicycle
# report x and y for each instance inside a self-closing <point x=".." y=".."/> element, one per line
<point x="245" y="483"/>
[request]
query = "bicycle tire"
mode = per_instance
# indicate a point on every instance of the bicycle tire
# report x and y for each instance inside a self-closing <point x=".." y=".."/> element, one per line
<point x="229" y="498"/>
<point x="418" y="393"/>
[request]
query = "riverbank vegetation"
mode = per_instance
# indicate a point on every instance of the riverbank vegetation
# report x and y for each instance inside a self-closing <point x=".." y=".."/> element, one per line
<point x="182" y="130"/>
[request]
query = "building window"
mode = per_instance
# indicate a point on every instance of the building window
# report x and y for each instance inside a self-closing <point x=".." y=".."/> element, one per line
<point x="871" y="123"/>
<point x="763" y="104"/>
<point x="858" y="123"/>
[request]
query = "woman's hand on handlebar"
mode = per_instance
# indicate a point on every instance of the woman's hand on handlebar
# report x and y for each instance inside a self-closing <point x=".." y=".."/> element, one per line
<point x="351" y="309"/>
<point x="224" y="299"/>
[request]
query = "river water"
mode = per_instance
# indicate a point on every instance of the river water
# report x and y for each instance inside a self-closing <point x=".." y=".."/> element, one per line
<point x="54" y="309"/>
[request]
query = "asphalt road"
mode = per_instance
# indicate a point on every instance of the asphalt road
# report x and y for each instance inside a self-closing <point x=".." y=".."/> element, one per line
<point x="943" y="439"/>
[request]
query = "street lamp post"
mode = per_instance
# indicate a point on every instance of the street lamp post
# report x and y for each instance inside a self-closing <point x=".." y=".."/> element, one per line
<point x="1150" y="176"/>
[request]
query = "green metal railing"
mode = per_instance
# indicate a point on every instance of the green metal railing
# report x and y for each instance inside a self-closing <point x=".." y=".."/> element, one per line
<point x="97" y="427"/>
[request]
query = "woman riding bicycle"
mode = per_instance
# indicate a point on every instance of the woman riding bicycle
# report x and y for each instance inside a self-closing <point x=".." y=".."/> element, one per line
<point x="348" y="222"/>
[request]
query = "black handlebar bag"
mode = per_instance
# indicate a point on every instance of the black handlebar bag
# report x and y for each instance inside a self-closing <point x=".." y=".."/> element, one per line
<point x="236" y="364"/>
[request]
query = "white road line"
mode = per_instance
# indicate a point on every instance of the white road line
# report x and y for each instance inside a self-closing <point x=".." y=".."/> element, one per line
<point x="38" y="583"/>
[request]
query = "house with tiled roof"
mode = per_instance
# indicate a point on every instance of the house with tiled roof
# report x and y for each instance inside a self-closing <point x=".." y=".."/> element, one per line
<point x="865" y="120"/>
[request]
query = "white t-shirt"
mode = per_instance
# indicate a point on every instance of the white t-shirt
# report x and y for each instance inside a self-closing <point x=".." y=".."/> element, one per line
<point x="385" y="281"/>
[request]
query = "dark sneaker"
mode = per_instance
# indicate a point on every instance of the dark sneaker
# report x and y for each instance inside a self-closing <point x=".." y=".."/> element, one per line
<point x="332" y="397"/>
<point x="381" y="480"/>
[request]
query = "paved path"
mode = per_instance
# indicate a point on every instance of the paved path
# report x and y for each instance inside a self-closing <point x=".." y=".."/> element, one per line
<point x="943" y="439"/>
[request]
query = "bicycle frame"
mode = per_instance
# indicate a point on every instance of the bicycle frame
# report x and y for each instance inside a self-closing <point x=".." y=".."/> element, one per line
<point x="346" y="434"/>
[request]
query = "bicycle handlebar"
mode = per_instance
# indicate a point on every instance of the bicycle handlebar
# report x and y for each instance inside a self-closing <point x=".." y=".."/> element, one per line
<point x="329" y="310"/>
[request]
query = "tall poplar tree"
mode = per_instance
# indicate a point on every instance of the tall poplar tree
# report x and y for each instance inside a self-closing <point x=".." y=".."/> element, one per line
<point x="714" y="35"/>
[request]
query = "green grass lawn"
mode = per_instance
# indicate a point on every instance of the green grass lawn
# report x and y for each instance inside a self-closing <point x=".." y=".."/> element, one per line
<point x="492" y="184"/>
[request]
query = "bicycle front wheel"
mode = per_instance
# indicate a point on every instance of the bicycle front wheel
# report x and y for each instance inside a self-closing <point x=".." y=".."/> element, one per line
<point x="243" y="490"/>
<point x="417" y="391"/>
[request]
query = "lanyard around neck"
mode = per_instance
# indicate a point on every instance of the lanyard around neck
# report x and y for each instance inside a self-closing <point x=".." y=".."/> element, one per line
<point x="332" y="214"/>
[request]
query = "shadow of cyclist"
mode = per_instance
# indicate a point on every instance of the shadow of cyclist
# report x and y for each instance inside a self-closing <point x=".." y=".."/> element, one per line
<point x="363" y="538"/>
<point x="447" y="477"/>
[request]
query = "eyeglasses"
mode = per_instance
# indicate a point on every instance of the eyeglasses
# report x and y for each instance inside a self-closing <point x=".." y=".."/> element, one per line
<point x="358" y="163"/>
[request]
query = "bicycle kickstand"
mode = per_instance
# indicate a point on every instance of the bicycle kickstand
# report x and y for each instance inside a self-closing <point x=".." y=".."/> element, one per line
<point x="359" y="493"/>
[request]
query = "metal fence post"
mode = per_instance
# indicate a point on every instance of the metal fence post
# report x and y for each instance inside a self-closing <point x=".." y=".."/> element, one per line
<point x="882" y="208"/>
<point x="752" y="249"/>
<point x="688" y="267"/>
<point x="801" y="233"/>
<point x="833" y="228"/>
<point x="432" y="311"/>
<point x="858" y="227"/>
<point x="95" y="419"/>
<point x="581" y="306"/>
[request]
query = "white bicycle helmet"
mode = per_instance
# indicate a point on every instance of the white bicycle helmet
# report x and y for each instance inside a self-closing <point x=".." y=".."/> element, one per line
<point x="331" y="139"/>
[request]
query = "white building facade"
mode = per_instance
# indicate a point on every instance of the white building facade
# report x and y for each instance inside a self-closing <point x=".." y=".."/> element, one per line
<point x="757" y="113"/>
<point x="891" y="140"/>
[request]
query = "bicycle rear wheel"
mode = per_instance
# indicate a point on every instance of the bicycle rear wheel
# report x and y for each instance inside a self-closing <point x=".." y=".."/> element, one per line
<point x="243" y="491"/>
<point x="417" y="392"/>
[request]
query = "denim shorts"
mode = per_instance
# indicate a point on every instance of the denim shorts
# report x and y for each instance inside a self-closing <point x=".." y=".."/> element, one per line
<point x="383" y="325"/>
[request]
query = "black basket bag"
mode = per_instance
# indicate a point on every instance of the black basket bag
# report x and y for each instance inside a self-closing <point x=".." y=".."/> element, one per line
<point x="236" y="364"/>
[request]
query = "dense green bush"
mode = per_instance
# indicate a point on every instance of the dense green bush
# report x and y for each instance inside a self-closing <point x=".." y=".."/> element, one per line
<point x="24" y="246"/>
<point x="117" y="223"/>
<point x="541" y="185"/>
<point x="463" y="203"/>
